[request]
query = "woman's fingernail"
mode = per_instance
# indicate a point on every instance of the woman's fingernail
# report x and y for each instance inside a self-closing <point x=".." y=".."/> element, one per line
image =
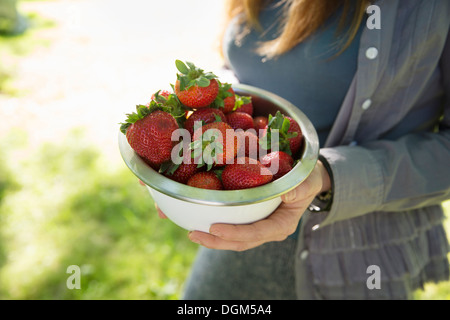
<point x="193" y="239"/>
<point x="216" y="233"/>
<point x="290" y="196"/>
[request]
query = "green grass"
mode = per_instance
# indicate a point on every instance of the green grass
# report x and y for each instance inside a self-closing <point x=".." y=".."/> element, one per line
<point x="66" y="205"/>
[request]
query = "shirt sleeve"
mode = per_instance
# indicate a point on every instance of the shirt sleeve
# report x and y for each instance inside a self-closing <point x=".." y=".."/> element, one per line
<point x="383" y="175"/>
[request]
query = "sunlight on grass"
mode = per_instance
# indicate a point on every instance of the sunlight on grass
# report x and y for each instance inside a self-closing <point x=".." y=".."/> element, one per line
<point x="70" y="206"/>
<point x="67" y="205"/>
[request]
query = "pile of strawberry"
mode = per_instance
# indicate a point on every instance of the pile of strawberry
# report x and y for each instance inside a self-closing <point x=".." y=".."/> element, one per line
<point x="204" y="135"/>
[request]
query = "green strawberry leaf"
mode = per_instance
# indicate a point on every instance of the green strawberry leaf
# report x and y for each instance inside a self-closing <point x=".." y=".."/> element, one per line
<point x="223" y="93"/>
<point x="217" y="118"/>
<point x="191" y="75"/>
<point x="219" y="172"/>
<point x="291" y="135"/>
<point x="282" y="124"/>
<point x="240" y="101"/>
<point x="165" y="166"/>
<point x="209" y="166"/>
<point x="141" y="112"/>
<point x="285" y="126"/>
<point x="181" y="67"/>
<point x="124" y="127"/>
<point x="203" y="82"/>
<point x="191" y="65"/>
<point x="171" y="105"/>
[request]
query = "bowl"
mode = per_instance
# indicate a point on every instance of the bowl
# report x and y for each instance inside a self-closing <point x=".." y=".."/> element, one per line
<point x="197" y="209"/>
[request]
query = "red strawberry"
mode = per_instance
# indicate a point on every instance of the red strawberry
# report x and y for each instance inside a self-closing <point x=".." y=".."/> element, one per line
<point x="183" y="172"/>
<point x="217" y="143"/>
<point x="149" y="133"/>
<point x="226" y="98"/>
<point x="244" y="104"/>
<point x="260" y="123"/>
<point x="161" y="93"/>
<point x="205" y="115"/>
<point x="245" y="173"/>
<point x="278" y="162"/>
<point x="205" y="180"/>
<point x="247" y="108"/>
<point x="229" y="102"/>
<point x="296" y="141"/>
<point x="193" y="87"/>
<point x="159" y="96"/>
<point x="290" y="134"/>
<point x="248" y="144"/>
<point x="240" y="120"/>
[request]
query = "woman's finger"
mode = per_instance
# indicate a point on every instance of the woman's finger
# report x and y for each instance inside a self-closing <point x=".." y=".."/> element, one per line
<point x="213" y="242"/>
<point x="277" y="227"/>
<point x="160" y="213"/>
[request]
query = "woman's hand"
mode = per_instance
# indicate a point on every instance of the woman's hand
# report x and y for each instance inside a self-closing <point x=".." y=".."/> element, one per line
<point x="277" y="227"/>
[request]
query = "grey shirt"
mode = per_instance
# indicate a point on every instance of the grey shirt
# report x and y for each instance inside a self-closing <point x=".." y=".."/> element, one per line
<point x="389" y="152"/>
<point x="311" y="75"/>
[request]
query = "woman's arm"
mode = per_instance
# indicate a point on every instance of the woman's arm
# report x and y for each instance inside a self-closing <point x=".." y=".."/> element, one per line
<point x="383" y="175"/>
<point x="411" y="172"/>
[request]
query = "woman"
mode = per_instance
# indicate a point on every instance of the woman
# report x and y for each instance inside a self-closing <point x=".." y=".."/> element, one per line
<point x="378" y="92"/>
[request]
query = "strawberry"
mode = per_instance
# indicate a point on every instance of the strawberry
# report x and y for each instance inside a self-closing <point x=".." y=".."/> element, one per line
<point x="278" y="162"/>
<point x="225" y="99"/>
<point x="149" y="132"/>
<point x="248" y="144"/>
<point x="183" y="172"/>
<point x="161" y="93"/>
<point x="244" y="104"/>
<point x="260" y="123"/>
<point x="229" y="100"/>
<point x="240" y="120"/>
<point x="295" y="141"/>
<point x="205" y="180"/>
<point x="289" y="131"/>
<point x="205" y="115"/>
<point x="215" y="144"/>
<point x="245" y="173"/>
<point x="195" y="88"/>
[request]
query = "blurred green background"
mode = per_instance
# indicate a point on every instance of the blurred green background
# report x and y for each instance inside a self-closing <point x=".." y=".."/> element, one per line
<point x="66" y="198"/>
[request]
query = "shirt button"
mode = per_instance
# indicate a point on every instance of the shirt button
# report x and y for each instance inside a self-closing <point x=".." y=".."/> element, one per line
<point x="304" y="254"/>
<point x="366" y="104"/>
<point x="371" y="53"/>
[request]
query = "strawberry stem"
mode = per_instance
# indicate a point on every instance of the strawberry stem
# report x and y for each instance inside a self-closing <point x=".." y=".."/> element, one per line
<point x="171" y="105"/>
<point x="190" y="75"/>
<point x="281" y="123"/>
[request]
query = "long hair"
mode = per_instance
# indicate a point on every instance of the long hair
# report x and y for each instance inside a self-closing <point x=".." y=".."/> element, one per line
<point x="301" y="18"/>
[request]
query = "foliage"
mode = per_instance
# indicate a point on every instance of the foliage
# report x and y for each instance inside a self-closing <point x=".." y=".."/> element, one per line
<point x="73" y="207"/>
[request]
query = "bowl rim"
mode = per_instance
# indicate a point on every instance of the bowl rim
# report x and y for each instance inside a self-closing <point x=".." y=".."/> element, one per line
<point x="274" y="189"/>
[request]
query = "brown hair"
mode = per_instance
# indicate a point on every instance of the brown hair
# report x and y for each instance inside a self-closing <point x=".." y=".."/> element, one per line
<point x="301" y="19"/>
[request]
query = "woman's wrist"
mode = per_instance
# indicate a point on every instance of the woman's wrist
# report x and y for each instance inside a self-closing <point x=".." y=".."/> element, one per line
<point x="326" y="180"/>
<point x="324" y="197"/>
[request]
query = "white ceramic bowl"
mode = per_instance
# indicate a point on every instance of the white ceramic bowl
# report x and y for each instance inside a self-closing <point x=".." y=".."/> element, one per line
<point x="197" y="209"/>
